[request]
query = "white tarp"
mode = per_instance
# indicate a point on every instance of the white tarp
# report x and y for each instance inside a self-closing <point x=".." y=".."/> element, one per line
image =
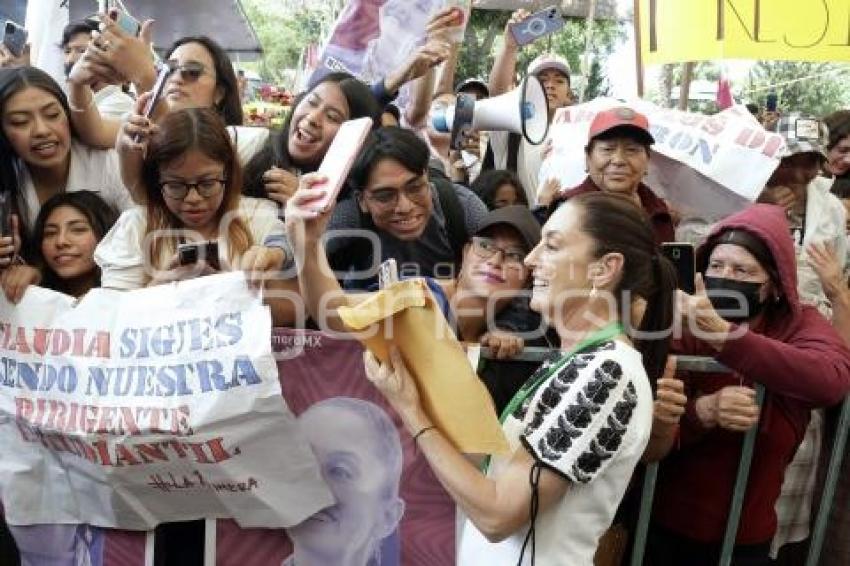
<point x="708" y="166"/>
<point x="135" y="408"/>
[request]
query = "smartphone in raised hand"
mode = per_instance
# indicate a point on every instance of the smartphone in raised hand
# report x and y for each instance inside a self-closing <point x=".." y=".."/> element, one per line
<point x="537" y="25"/>
<point x="681" y="255"/>
<point x="340" y="157"/>
<point x="14" y="38"/>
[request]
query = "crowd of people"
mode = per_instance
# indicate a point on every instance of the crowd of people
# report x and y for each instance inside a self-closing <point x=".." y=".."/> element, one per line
<point x="103" y="196"/>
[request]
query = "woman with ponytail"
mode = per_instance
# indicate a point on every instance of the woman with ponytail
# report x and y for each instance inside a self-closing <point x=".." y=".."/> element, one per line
<point x="580" y="424"/>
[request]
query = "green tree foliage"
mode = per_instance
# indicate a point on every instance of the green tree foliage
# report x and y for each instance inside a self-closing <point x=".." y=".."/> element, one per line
<point x="485" y="32"/>
<point x="810" y="88"/>
<point x="283" y="34"/>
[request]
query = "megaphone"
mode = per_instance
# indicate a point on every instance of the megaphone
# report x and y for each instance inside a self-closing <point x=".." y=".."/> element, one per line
<point x="523" y="110"/>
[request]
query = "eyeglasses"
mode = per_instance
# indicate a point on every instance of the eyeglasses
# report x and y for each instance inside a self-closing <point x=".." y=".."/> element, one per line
<point x="190" y="71"/>
<point x="485" y="248"/>
<point x="389" y="197"/>
<point x="179" y="190"/>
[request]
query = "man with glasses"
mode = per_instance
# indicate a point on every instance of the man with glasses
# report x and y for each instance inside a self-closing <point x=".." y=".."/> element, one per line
<point x="400" y="212"/>
<point x="110" y="99"/>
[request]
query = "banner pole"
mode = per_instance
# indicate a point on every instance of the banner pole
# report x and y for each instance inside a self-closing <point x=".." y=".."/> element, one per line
<point x="638" y="56"/>
<point x="685" y="86"/>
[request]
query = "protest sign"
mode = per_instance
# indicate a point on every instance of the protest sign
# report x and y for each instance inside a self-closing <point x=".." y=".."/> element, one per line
<point x="136" y="408"/>
<point x="701" y="30"/>
<point x="390" y="506"/>
<point x="709" y="166"/>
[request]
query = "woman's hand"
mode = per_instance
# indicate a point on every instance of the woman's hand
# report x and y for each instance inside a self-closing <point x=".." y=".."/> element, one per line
<point x="823" y="260"/>
<point x="280" y="184"/>
<point x="502" y="344"/>
<point x="699" y="317"/>
<point x="259" y="262"/>
<point x="305" y="219"/>
<point x="129" y="55"/>
<point x="670" y="398"/>
<point x="8" y="59"/>
<point x="16" y="279"/>
<point x="136" y="132"/>
<point x="394" y="381"/>
<point x="10" y="246"/>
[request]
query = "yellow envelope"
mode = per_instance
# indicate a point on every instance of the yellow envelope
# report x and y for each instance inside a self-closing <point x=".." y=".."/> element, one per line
<point x="407" y="315"/>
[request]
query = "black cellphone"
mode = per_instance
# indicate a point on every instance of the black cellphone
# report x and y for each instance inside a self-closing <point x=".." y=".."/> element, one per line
<point x="681" y="255"/>
<point x="194" y="252"/>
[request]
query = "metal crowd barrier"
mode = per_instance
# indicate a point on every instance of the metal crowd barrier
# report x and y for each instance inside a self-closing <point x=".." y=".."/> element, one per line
<point x="700" y="364"/>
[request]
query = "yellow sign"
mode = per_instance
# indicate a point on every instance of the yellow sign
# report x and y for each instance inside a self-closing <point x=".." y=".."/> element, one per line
<point x="698" y="30"/>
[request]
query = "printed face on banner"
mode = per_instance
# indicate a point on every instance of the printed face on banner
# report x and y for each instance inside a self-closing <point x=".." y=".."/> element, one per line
<point x="389" y="508"/>
<point x="364" y="479"/>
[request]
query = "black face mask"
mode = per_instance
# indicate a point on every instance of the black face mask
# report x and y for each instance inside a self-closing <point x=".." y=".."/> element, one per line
<point x="731" y="296"/>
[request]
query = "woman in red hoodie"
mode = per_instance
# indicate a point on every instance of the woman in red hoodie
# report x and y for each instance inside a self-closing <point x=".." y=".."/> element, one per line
<point x="763" y="335"/>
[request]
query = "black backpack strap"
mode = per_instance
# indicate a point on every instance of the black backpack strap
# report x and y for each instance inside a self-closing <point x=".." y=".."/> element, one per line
<point x="455" y="216"/>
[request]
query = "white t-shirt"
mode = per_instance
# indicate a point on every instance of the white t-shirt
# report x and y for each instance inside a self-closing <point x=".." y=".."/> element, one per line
<point x="529" y="160"/>
<point x="589" y="422"/>
<point x="114" y="103"/>
<point x="121" y="255"/>
<point x="248" y="141"/>
<point x="95" y="170"/>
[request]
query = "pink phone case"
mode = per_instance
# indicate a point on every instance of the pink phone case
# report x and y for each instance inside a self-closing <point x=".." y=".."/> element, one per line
<point x="340" y="157"/>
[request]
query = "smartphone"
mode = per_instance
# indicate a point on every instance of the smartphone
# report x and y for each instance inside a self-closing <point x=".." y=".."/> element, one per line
<point x="537" y="25"/>
<point x="126" y="22"/>
<point x="194" y="252"/>
<point x="156" y="93"/>
<point x="387" y="273"/>
<point x="681" y="255"/>
<point x="771" y="102"/>
<point x="340" y="157"/>
<point x="14" y="38"/>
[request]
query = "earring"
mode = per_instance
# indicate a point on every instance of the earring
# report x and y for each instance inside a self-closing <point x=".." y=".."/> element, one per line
<point x="592" y="294"/>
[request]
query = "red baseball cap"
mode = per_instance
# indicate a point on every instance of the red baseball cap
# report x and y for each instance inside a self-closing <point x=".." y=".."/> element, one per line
<point x="621" y="117"/>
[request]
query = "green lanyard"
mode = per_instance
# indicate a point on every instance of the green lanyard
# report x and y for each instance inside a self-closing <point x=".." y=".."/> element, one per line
<point x="602" y="335"/>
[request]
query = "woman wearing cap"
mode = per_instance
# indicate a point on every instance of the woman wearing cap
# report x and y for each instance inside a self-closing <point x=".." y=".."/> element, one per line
<point x="617" y="156"/>
<point x="749" y="317"/>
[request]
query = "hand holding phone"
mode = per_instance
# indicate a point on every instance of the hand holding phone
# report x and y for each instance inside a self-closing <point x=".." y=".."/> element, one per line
<point x="156" y="93"/>
<point x="192" y="253"/>
<point x="537" y="25"/>
<point x="14" y="38"/>
<point x="340" y="157"/>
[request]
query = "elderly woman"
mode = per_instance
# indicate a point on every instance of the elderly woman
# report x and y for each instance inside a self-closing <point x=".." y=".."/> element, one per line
<point x="749" y="317"/>
<point x="617" y="155"/>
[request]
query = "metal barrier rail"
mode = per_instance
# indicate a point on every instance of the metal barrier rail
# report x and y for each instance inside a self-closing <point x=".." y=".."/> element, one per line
<point x="700" y="364"/>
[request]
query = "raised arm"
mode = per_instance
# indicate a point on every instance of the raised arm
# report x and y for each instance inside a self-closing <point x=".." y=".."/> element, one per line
<point x="504" y="65"/>
<point x="305" y="225"/>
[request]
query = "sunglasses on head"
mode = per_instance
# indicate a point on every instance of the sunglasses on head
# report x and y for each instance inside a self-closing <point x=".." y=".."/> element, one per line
<point x="190" y="71"/>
